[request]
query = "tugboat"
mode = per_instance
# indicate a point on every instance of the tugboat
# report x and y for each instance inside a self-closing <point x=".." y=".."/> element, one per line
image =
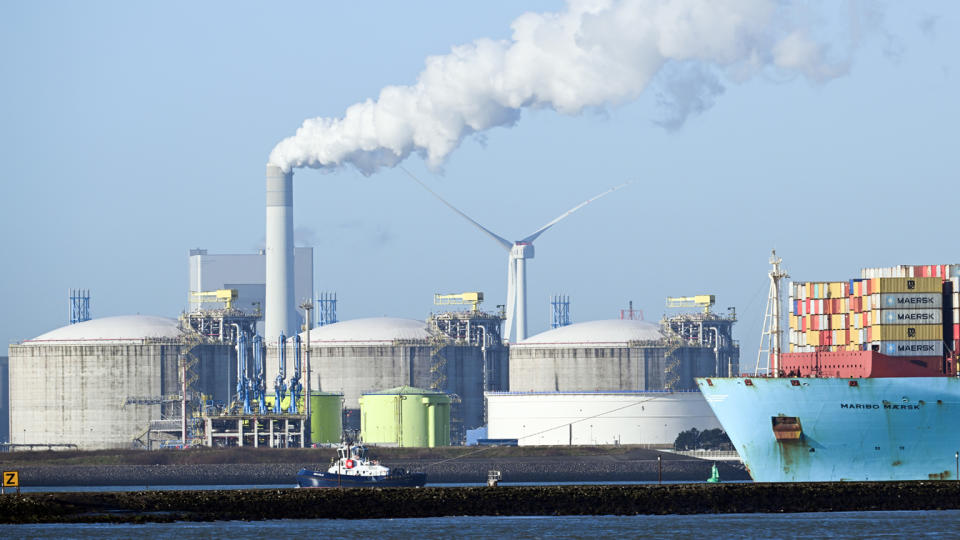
<point x="352" y="468"/>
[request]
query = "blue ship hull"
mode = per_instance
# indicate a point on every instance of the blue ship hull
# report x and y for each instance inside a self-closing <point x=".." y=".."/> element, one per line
<point x="309" y="478"/>
<point x="903" y="428"/>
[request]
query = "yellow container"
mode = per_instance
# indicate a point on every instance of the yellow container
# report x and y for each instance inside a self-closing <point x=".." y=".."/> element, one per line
<point x="838" y="321"/>
<point x="813" y="337"/>
<point x="793" y="322"/>
<point x="835" y="289"/>
<point x="906" y="285"/>
<point x="905" y="332"/>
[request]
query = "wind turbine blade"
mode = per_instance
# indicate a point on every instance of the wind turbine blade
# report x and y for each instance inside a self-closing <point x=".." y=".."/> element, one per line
<point x="501" y="240"/>
<point x="543" y="229"/>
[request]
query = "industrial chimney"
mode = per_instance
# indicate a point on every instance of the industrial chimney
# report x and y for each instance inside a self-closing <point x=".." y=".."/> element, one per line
<point x="279" y="295"/>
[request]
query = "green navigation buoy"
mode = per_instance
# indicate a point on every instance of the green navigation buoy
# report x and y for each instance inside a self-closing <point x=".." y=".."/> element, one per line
<point x="714" y="475"/>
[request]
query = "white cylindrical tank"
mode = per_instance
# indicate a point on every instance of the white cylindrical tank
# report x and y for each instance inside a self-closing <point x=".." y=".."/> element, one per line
<point x="279" y="313"/>
<point x="100" y="383"/>
<point x="588" y="418"/>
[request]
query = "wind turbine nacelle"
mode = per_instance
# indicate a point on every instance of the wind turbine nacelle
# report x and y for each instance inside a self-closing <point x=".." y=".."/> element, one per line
<point x="522" y="251"/>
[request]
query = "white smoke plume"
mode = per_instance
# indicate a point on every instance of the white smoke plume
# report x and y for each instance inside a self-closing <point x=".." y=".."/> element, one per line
<point x="597" y="53"/>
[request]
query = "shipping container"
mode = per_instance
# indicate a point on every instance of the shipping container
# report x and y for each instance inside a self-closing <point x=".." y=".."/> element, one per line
<point x="907" y="300"/>
<point x="813" y="337"/>
<point x="909" y="348"/>
<point x="906" y="285"/>
<point x="903" y="332"/>
<point x="911" y="316"/>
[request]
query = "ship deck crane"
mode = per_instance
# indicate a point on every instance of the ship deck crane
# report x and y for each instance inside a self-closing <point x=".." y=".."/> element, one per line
<point x="701" y="300"/>
<point x="467" y="298"/>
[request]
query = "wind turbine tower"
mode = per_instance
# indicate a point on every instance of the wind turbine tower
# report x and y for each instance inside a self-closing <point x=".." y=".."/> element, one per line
<point x="520" y="251"/>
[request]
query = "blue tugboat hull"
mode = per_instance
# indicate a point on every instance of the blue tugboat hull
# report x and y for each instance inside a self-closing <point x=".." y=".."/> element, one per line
<point x="308" y="478"/>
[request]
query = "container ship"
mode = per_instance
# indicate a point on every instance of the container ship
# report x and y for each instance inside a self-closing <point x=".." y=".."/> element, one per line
<point x="868" y="389"/>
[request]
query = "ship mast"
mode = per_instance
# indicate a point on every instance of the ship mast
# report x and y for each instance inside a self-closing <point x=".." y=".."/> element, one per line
<point x="773" y="309"/>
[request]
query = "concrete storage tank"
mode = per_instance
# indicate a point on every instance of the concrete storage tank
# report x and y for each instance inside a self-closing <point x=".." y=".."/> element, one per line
<point x="4" y="400"/>
<point x="611" y="355"/>
<point x="102" y="383"/>
<point x="405" y="416"/>
<point x="366" y="355"/>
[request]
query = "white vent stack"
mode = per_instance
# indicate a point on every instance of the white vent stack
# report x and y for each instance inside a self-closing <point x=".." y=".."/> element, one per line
<point x="278" y="311"/>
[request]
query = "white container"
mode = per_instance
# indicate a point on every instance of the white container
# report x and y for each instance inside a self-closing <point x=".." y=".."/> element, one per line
<point x="911" y="316"/>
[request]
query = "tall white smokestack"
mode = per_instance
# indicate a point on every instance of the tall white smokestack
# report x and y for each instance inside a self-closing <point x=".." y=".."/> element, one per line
<point x="277" y="312"/>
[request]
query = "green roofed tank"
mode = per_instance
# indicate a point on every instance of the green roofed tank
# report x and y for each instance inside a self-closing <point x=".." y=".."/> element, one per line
<point x="405" y="416"/>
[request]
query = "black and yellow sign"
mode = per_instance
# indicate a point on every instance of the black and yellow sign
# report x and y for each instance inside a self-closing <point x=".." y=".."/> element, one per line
<point x="11" y="478"/>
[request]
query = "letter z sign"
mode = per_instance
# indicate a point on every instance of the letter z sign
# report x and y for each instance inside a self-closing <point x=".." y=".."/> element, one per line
<point x="11" y="479"/>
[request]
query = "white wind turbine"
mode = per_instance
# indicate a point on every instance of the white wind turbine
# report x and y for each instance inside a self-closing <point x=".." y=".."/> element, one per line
<point x="520" y="251"/>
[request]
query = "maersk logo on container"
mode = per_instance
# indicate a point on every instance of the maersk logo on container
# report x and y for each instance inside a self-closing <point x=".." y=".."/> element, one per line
<point x="911" y="300"/>
<point x="918" y="316"/>
<point x="903" y="348"/>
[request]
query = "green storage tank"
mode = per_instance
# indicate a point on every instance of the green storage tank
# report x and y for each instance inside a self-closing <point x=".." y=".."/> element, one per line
<point x="405" y="416"/>
<point x="326" y="417"/>
<point x="326" y="414"/>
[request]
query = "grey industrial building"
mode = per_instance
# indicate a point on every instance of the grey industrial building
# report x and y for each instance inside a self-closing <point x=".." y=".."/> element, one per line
<point x="105" y="383"/>
<point x="247" y="274"/>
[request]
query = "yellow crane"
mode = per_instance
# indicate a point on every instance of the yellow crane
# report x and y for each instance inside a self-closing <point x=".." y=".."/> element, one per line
<point x="227" y="296"/>
<point x="471" y="298"/>
<point x="701" y="300"/>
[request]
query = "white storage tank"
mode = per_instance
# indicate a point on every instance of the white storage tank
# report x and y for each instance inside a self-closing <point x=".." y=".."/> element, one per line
<point x="596" y="418"/>
<point x="98" y="384"/>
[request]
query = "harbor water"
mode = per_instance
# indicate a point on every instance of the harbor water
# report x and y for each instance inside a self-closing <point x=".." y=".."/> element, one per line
<point x="905" y="524"/>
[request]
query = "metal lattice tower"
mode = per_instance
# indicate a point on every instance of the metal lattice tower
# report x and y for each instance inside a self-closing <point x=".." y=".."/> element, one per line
<point x="328" y="309"/>
<point x="561" y="311"/>
<point x="79" y="305"/>
<point x="631" y="314"/>
<point x="771" y="332"/>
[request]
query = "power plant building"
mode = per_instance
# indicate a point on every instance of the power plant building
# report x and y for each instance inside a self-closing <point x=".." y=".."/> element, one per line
<point x="105" y="383"/>
<point x="595" y="418"/>
<point x="247" y="274"/>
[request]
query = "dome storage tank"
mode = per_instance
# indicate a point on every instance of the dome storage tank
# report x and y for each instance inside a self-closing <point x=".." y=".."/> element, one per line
<point x="105" y="383"/>
<point x="365" y="355"/>
<point x="609" y="355"/>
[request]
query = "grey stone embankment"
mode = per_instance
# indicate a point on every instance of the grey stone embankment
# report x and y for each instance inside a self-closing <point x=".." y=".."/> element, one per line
<point x="514" y="469"/>
<point x="366" y="503"/>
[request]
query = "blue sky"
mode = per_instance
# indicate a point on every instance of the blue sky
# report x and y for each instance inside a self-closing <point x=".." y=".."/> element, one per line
<point x="133" y="132"/>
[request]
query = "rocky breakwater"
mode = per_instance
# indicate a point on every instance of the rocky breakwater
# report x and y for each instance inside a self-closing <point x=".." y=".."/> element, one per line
<point x="363" y="503"/>
<point x="637" y="465"/>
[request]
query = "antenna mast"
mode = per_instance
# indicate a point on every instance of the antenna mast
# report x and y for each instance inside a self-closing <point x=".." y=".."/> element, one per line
<point x="771" y="320"/>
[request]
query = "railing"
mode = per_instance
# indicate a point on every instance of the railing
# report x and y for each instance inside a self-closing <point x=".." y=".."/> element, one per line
<point x="719" y="455"/>
<point x="8" y="447"/>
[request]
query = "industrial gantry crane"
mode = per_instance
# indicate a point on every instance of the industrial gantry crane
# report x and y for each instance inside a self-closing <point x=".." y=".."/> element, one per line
<point x="472" y="298"/>
<point x="227" y="296"/>
<point x="701" y="300"/>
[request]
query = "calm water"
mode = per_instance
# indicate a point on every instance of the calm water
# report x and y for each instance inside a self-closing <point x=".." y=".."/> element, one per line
<point x="921" y="524"/>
